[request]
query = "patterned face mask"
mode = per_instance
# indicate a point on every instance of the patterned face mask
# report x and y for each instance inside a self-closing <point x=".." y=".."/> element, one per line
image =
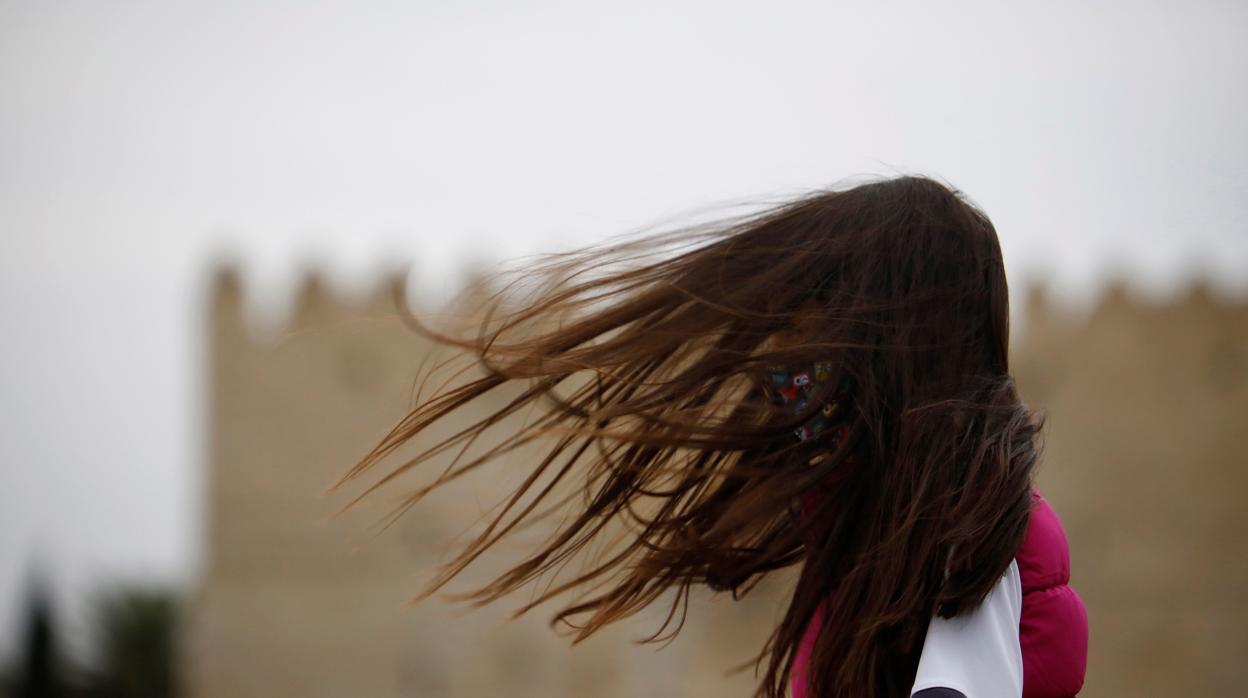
<point x="793" y="388"/>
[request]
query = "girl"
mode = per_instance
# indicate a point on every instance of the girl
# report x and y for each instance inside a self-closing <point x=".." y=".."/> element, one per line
<point x="824" y="383"/>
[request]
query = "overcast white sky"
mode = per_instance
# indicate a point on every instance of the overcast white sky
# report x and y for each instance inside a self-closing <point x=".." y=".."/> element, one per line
<point x="140" y="140"/>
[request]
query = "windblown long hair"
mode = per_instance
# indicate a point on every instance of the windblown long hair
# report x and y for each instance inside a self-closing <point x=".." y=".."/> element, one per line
<point x="647" y="361"/>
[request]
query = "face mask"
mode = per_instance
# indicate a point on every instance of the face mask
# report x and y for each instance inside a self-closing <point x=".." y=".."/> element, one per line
<point x="794" y="387"/>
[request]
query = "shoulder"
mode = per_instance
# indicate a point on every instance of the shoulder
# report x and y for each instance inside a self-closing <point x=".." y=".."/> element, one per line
<point x="1044" y="558"/>
<point x="1054" y="625"/>
<point x="976" y="653"/>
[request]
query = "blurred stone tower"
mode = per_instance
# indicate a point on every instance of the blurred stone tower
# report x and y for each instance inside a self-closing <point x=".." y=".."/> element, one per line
<point x="294" y="603"/>
<point x="1145" y="462"/>
<point x="1147" y="406"/>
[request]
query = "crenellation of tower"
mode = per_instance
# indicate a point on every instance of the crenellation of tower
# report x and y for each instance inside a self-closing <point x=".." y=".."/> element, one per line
<point x="317" y="301"/>
<point x="1120" y="296"/>
<point x="317" y="305"/>
<point x="226" y="293"/>
<point x="314" y="304"/>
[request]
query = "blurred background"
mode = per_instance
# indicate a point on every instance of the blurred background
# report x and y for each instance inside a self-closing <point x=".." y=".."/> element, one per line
<point x="206" y="208"/>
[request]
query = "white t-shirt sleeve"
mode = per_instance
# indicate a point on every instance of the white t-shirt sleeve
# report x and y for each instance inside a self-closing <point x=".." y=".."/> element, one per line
<point x="977" y="653"/>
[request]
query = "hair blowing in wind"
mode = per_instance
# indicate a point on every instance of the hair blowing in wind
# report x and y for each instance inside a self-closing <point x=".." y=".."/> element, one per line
<point x="646" y="364"/>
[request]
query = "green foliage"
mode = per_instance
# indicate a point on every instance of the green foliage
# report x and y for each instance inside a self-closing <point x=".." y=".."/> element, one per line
<point x="134" y="633"/>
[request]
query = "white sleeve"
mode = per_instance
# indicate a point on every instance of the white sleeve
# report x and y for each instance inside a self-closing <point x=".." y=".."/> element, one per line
<point x="977" y="653"/>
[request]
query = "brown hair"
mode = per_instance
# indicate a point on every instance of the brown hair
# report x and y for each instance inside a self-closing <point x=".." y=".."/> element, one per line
<point x="648" y="360"/>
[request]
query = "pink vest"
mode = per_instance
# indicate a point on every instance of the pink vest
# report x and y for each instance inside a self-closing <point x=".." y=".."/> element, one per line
<point x="1053" y="631"/>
